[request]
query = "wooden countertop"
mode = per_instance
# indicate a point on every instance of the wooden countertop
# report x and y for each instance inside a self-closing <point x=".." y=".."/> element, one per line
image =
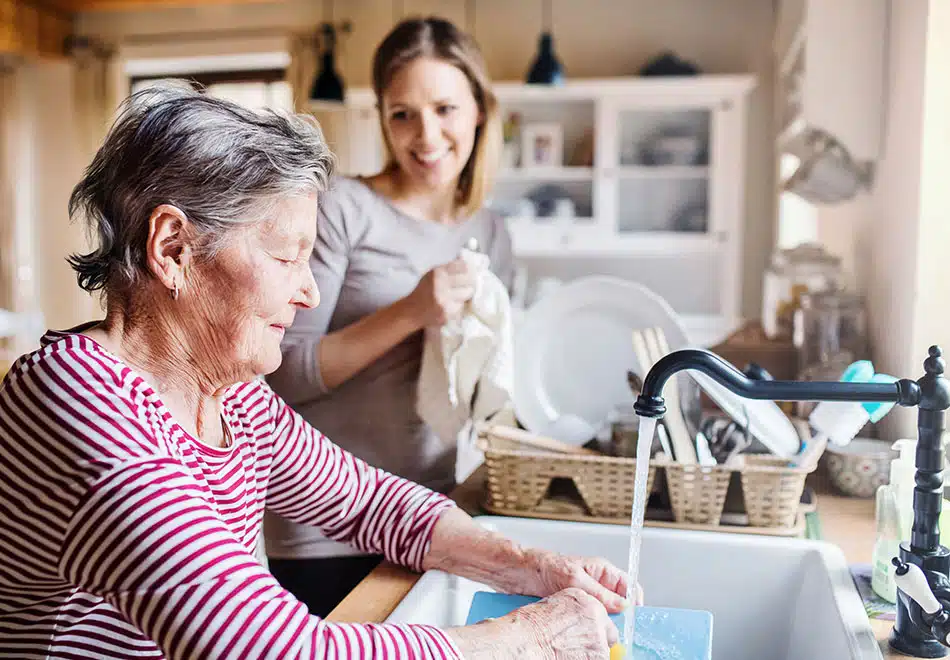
<point x="846" y="522"/>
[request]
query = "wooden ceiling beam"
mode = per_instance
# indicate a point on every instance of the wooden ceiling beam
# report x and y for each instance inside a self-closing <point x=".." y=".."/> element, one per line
<point x="31" y="30"/>
<point x="76" y="6"/>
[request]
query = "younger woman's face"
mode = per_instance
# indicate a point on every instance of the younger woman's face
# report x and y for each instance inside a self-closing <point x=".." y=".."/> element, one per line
<point x="430" y="116"/>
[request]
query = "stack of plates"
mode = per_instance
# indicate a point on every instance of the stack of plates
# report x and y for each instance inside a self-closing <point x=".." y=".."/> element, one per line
<point x="573" y="349"/>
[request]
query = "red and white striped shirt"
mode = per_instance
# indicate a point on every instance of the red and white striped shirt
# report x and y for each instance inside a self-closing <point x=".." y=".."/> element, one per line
<point x="123" y="536"/>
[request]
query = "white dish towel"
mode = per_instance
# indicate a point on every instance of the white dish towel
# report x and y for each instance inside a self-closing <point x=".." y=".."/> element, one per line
<point x="467" y="370"/>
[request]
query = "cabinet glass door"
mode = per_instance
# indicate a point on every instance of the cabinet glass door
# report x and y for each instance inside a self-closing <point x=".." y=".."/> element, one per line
<point x="662" y="174"/>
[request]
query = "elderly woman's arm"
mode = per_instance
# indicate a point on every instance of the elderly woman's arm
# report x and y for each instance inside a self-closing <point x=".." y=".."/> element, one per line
<point x="147" y="541"/>
<point x="315" y="482"/>
<point x="134" y="526"/>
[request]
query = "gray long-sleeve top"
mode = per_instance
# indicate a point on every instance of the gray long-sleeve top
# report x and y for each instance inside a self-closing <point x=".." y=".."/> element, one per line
<point x="369" y="254"/>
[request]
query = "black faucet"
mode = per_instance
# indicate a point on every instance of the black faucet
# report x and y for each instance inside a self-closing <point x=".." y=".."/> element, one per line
<point x="922" y="626"/>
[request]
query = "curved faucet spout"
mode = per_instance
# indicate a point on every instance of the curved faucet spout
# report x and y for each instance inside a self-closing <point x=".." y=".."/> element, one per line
<point x="650" y="402"/>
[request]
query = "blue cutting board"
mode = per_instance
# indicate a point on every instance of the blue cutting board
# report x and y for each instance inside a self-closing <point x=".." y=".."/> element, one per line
<point x="660" y="632"/>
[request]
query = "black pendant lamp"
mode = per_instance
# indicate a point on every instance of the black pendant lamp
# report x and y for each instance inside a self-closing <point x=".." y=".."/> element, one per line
<point x="328" y="85"/>
<point x="546" y="69"/>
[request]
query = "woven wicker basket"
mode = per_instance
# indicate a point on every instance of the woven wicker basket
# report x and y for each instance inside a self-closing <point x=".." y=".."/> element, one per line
<point x="772" y="490"/>
<point x="697" y="494"/>
<point x="519" y="478"/>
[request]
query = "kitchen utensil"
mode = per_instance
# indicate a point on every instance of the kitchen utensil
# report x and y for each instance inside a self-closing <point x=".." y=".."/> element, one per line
<point x="569" y="344"/>
<point x="665" y="443"/>
<point x="635" y="382"/>
<point x="679" y="633"/>
<point x="813" y="450"/>
<point x="537" y="441"/>
<point x="624" y="431"/>
<point x="570" y="429"/>
<point x="703" y="454"/>
<point x="763" y="419"/>
<point x="726" y="437"/>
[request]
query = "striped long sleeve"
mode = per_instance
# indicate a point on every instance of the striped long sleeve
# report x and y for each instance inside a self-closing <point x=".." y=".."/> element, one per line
<point x="127" y="537"/>
<point x="315" y="482"/>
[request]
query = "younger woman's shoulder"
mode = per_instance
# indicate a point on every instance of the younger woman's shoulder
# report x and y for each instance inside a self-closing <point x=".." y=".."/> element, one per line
<point x="345" y="190"/>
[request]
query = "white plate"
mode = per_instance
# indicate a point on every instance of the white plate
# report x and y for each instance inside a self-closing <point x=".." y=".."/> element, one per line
<point x="764" y="419"/>
<point x="573" y="349"/>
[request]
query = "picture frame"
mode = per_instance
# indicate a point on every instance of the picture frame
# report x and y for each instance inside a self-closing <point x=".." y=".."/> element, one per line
<point x="542" y="145"/>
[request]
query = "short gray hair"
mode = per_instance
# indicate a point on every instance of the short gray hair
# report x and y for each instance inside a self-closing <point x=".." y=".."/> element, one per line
<point x="222" y="164"/>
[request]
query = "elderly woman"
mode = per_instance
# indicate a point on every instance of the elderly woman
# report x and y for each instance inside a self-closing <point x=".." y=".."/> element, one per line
<point x="140" y="451"/>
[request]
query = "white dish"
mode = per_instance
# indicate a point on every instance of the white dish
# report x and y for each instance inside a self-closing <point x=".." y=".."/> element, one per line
<point x="764" y="419"/>
<point x="574" y="347"/>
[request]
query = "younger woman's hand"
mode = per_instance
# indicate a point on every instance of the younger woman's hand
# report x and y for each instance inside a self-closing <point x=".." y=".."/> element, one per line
<point x="441" y="294"/>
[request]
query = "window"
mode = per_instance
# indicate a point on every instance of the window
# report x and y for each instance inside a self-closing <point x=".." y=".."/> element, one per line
<point x="797" y="219"/>
<point x="253" y="79"/>
<point x="254" y="89"/>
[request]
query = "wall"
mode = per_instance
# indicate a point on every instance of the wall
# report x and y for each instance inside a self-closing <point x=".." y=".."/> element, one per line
<point x="595" y="38"/>
<point x="47" y="169"/>
<point x="933" y="241"/>
<point x="899" y="234"/>
<point x="58" y="168"/>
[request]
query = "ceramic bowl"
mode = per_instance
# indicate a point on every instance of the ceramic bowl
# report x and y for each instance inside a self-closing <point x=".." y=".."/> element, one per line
<point x="860" y="467"/>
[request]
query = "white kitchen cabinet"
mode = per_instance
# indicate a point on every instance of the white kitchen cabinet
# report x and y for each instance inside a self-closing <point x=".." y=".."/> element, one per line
<point x="832" y="70"/>
<point x="682" y="217"/>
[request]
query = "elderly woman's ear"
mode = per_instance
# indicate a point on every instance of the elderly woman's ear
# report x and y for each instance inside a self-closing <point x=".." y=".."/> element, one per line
<point x="168" y="249"/>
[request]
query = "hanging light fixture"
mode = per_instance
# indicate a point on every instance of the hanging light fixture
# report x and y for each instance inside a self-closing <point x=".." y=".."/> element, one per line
<point x="470" y="17"/>
<point x="546" y="69"/>
<point x="328" y="85"/>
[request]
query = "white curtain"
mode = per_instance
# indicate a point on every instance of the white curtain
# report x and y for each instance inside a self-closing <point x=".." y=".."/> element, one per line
<point x="303" y="67"/>
<point x="95" y="93"/>
<point x="8" y="109"/>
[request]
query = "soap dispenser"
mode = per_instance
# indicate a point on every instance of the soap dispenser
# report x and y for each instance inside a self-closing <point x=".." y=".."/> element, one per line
<point x="894" y="518"/>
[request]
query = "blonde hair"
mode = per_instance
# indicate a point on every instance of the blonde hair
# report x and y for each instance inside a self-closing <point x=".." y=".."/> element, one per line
<point x="439" y="39"/>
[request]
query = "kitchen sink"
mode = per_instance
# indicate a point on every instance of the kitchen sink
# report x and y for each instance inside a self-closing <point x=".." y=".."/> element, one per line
<point x="776" y="598"/>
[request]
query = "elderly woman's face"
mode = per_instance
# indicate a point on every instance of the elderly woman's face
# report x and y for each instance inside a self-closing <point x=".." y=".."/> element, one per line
<point x="430" y="117"/>
<point x="249" y="293"/>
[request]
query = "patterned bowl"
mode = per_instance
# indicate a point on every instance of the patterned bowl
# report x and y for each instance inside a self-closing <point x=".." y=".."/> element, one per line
<point x="860" y="467"/>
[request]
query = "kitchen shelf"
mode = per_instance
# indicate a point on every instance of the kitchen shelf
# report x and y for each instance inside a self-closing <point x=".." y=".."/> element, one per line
<point x="546" y="174"/>
<point x="663" y="172"/>
<point x="676" y="228"/>
<point x="532" y="238"/>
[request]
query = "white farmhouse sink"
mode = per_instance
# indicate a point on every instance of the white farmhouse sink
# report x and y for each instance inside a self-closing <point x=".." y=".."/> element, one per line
<point x="782" y="599"/>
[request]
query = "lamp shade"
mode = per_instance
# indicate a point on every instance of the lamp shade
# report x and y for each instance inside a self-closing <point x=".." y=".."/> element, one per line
<point x="328" y="85"/>
<point x="546" y="69"/>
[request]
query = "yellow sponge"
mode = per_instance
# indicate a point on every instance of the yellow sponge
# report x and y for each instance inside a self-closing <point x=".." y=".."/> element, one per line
<point x="617" y="651"/>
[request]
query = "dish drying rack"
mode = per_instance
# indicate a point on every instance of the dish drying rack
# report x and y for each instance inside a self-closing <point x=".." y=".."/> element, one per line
<point x="528" y="475"/>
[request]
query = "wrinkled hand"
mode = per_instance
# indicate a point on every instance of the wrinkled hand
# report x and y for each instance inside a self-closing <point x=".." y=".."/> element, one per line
<point x="568" y="625"/>
<point x="549" y="572"/>
<point x="441" y="294"/>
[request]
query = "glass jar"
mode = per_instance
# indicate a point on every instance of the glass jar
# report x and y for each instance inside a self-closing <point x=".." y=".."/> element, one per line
<point x="792" y="273"/>
<point x="830" y="328"/>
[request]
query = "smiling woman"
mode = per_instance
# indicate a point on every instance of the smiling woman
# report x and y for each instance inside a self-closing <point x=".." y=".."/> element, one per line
<point x="386" y="262"/>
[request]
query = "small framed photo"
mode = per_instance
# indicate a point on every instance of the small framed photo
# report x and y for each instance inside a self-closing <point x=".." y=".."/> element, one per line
<point x="542" y="145"/>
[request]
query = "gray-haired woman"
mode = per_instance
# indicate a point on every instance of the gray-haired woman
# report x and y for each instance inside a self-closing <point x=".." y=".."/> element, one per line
<point x="140" y="451"/>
